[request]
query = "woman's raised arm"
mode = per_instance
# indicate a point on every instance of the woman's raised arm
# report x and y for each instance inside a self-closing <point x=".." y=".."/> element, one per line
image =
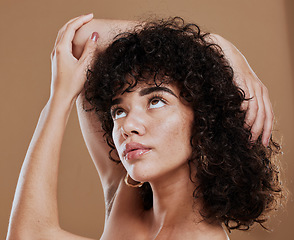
<point x="259" y="115"/>
<point x="34" y="212"/>
<point x="109" y="172"/>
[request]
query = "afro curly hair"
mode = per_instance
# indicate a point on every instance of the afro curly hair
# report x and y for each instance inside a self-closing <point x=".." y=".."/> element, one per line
<point x="237" y="180"/>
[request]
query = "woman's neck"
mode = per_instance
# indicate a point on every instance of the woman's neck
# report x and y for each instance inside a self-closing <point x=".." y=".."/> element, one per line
<point x="173" y="197"/>
<point x="175" y="211"/>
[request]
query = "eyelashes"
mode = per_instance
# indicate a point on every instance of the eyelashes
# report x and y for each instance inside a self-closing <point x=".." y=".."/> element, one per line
<point x="117" y="113"/>
<point x="160" y="101"/>
<point x="154" y="101"/>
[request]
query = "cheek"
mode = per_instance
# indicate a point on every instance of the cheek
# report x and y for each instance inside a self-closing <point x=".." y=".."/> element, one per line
<point x="175" y="133"/>
<point x="115" y="136"/>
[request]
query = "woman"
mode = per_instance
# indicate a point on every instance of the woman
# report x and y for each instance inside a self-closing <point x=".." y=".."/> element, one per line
<point x="172" y="119"/>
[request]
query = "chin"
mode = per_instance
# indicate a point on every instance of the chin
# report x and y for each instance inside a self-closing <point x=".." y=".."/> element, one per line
<point x="142" y="172"/>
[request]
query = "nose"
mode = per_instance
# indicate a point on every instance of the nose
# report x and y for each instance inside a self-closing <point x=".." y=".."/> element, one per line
<point x="133" y="125"/>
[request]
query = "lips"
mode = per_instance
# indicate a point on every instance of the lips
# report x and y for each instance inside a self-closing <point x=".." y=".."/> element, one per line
<point x="135" y="150"/>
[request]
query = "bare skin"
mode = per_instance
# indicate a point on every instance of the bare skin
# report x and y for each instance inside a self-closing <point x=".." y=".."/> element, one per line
<point x="125" y="218"/>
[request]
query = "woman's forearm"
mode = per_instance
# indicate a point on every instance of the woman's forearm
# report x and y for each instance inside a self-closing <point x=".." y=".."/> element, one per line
<point x="34" y="208"/>
<point x="259" y="111"/>
<point x="107" y="30"/>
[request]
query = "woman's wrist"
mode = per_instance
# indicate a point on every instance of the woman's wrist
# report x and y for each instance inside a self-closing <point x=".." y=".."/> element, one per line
<point x="59" y="105"/>
<point x="59" y="99"/>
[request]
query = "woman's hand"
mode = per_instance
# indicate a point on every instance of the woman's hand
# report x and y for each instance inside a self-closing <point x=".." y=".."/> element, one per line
<point x="69" y="73"/>
<point x="259" y="115"/>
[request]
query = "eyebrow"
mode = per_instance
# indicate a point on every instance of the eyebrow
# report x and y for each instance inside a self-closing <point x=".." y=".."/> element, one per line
<point x="146" y="91"/>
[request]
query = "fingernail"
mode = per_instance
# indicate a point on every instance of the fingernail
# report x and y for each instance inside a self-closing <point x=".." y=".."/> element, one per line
<point x="265" y="143"/>
<point x="88" y="15"/>
<point x="94" y="36"/>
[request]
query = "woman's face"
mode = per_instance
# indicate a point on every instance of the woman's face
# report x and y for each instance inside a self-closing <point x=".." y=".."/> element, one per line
<point x="152" y="131"/>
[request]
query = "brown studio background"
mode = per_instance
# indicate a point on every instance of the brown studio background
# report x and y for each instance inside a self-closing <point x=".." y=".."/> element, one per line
<point x="263" y="30"/>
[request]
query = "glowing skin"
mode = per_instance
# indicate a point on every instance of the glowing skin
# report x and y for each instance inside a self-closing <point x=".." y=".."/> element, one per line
<point x="152" y="129"/>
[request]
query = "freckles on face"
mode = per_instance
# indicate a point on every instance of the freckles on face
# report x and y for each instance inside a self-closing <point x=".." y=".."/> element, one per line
<point x="173" y="130"/>
<point x="158" y="120"/>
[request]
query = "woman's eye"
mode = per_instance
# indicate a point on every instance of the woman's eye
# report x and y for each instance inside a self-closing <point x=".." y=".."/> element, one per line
<point x="119" y="113"/>
<point x="156" y="103"/>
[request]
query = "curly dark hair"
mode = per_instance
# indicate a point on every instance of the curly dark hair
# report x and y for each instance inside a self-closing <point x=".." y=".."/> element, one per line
<point x="237" y="180"/>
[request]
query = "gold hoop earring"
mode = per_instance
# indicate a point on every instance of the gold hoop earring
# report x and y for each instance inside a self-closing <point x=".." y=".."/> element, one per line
<point x="132" y="185"/>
